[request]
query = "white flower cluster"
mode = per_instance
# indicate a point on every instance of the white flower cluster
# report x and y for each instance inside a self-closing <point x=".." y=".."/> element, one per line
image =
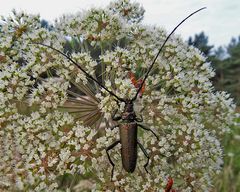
<point x="99" y="25"/>
<point x="132" y="12"/>
<point x="38" y="148"/>
<point x="118" y="63"/>
<point x="14" y="82"/>
<point x="70" y="24"/>
<point x="84" y="60"/>
<point x="50" y="94"/>
<point x="95" y="25"/>
<point x="46" y="102"/>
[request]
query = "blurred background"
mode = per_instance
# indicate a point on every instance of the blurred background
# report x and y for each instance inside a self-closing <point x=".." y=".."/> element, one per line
<point x="215" y="31"/>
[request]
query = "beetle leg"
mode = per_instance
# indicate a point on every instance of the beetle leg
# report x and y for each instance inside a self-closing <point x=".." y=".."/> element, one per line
<point x="139" y="119"/>
<point x="114" y="117"/>
<point x="147" y="129"/>
<point x="145" y="153"/>
<point x="109" y="158"/>
<point x="113" y="127"/>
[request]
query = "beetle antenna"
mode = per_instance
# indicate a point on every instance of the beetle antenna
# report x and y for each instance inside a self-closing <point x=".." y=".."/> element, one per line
<point x="150" y="68"/>
<point x="78" y="65"/>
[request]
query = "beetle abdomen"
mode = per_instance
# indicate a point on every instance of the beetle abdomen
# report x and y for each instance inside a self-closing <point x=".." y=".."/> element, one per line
<point x="128" y="139"/>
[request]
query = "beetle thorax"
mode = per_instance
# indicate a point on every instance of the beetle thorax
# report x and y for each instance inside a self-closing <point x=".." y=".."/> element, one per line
<point x="128" y="113"/>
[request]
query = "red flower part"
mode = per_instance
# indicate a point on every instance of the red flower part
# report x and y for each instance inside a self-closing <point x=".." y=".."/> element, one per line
<point x="132" y="78"/>
<point x="169" y="185"/>
<point x="136" y="83"/>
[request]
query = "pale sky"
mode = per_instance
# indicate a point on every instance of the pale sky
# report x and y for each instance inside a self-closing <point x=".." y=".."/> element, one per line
<point x="220" y="21"/>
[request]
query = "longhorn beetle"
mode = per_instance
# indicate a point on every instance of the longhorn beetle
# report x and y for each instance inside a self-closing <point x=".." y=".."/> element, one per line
<point x="129" y="121"/>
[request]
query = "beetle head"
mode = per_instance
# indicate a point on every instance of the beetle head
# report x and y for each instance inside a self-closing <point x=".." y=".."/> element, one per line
<point x="128" y="106"/>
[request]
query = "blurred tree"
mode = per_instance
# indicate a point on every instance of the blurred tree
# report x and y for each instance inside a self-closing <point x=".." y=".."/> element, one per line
<point x="220" y="53"/>
<point x="201" y="42"/>
<point x="227" y="66"/>
<point x="233" y="68"/>
<point x="233" y="49"/>
<point x="45" y="24"/>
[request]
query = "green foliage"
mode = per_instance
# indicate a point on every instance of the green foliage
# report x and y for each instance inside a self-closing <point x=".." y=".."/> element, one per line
<point x="234" y="47"/>
<point x="228" y="69"/>
<point x="229" y="179"/>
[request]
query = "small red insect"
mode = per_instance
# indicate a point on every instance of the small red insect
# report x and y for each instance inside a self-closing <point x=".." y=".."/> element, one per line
<point x="136" y="83"/>
<point x="169" y="185"/>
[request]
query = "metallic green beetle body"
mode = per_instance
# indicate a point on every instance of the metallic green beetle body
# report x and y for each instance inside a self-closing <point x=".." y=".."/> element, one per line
<point x="128" y="128"/>
<point x="128" y="138"/>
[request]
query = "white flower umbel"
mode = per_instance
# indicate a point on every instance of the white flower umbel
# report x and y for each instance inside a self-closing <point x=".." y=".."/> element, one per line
<point x="50" y="94"/>
<point x="55" y="121"/>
